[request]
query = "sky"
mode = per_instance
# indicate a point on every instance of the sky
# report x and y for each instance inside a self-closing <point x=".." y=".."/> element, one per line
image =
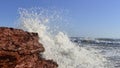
<point x="89" y="18"/>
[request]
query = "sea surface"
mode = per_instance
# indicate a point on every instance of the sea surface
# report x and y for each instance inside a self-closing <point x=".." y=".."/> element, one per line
<point x="109" y="48"/>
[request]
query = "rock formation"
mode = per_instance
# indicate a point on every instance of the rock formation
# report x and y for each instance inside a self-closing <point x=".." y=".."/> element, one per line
<point x="21" y="49"/>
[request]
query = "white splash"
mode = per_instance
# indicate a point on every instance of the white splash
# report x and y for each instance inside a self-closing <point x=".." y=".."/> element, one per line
<point x="58" y="47"/>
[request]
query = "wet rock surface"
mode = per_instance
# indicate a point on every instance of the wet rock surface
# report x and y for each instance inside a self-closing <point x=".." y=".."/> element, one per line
<point x="21" y="49"/>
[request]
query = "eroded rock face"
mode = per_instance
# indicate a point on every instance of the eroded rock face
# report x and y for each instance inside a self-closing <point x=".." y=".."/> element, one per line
<point x="20" y="49"/>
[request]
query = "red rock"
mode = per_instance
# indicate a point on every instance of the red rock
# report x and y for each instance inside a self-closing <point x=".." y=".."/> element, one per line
<point x="20" y="49"/>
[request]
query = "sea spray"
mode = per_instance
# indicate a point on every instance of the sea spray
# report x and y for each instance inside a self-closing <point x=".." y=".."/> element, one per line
<point x="58" y="46"/>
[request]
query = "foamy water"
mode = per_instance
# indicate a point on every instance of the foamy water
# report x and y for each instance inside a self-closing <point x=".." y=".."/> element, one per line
<point x="58" y="46"/>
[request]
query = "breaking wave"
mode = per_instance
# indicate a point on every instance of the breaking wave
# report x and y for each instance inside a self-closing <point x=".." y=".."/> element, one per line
<point x="58" y="46"/>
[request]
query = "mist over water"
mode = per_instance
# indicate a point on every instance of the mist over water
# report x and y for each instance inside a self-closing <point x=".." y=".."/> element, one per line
<point x="58" y="46"/>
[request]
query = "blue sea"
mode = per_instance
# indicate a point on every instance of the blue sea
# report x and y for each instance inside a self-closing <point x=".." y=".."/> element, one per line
<point x="108" y="47"/>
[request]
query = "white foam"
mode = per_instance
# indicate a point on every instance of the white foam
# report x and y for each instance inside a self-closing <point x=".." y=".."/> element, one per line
<point x="58" y="47"/>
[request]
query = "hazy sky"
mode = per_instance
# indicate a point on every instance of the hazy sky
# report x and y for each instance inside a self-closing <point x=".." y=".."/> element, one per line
<point x="90" y="18"/>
